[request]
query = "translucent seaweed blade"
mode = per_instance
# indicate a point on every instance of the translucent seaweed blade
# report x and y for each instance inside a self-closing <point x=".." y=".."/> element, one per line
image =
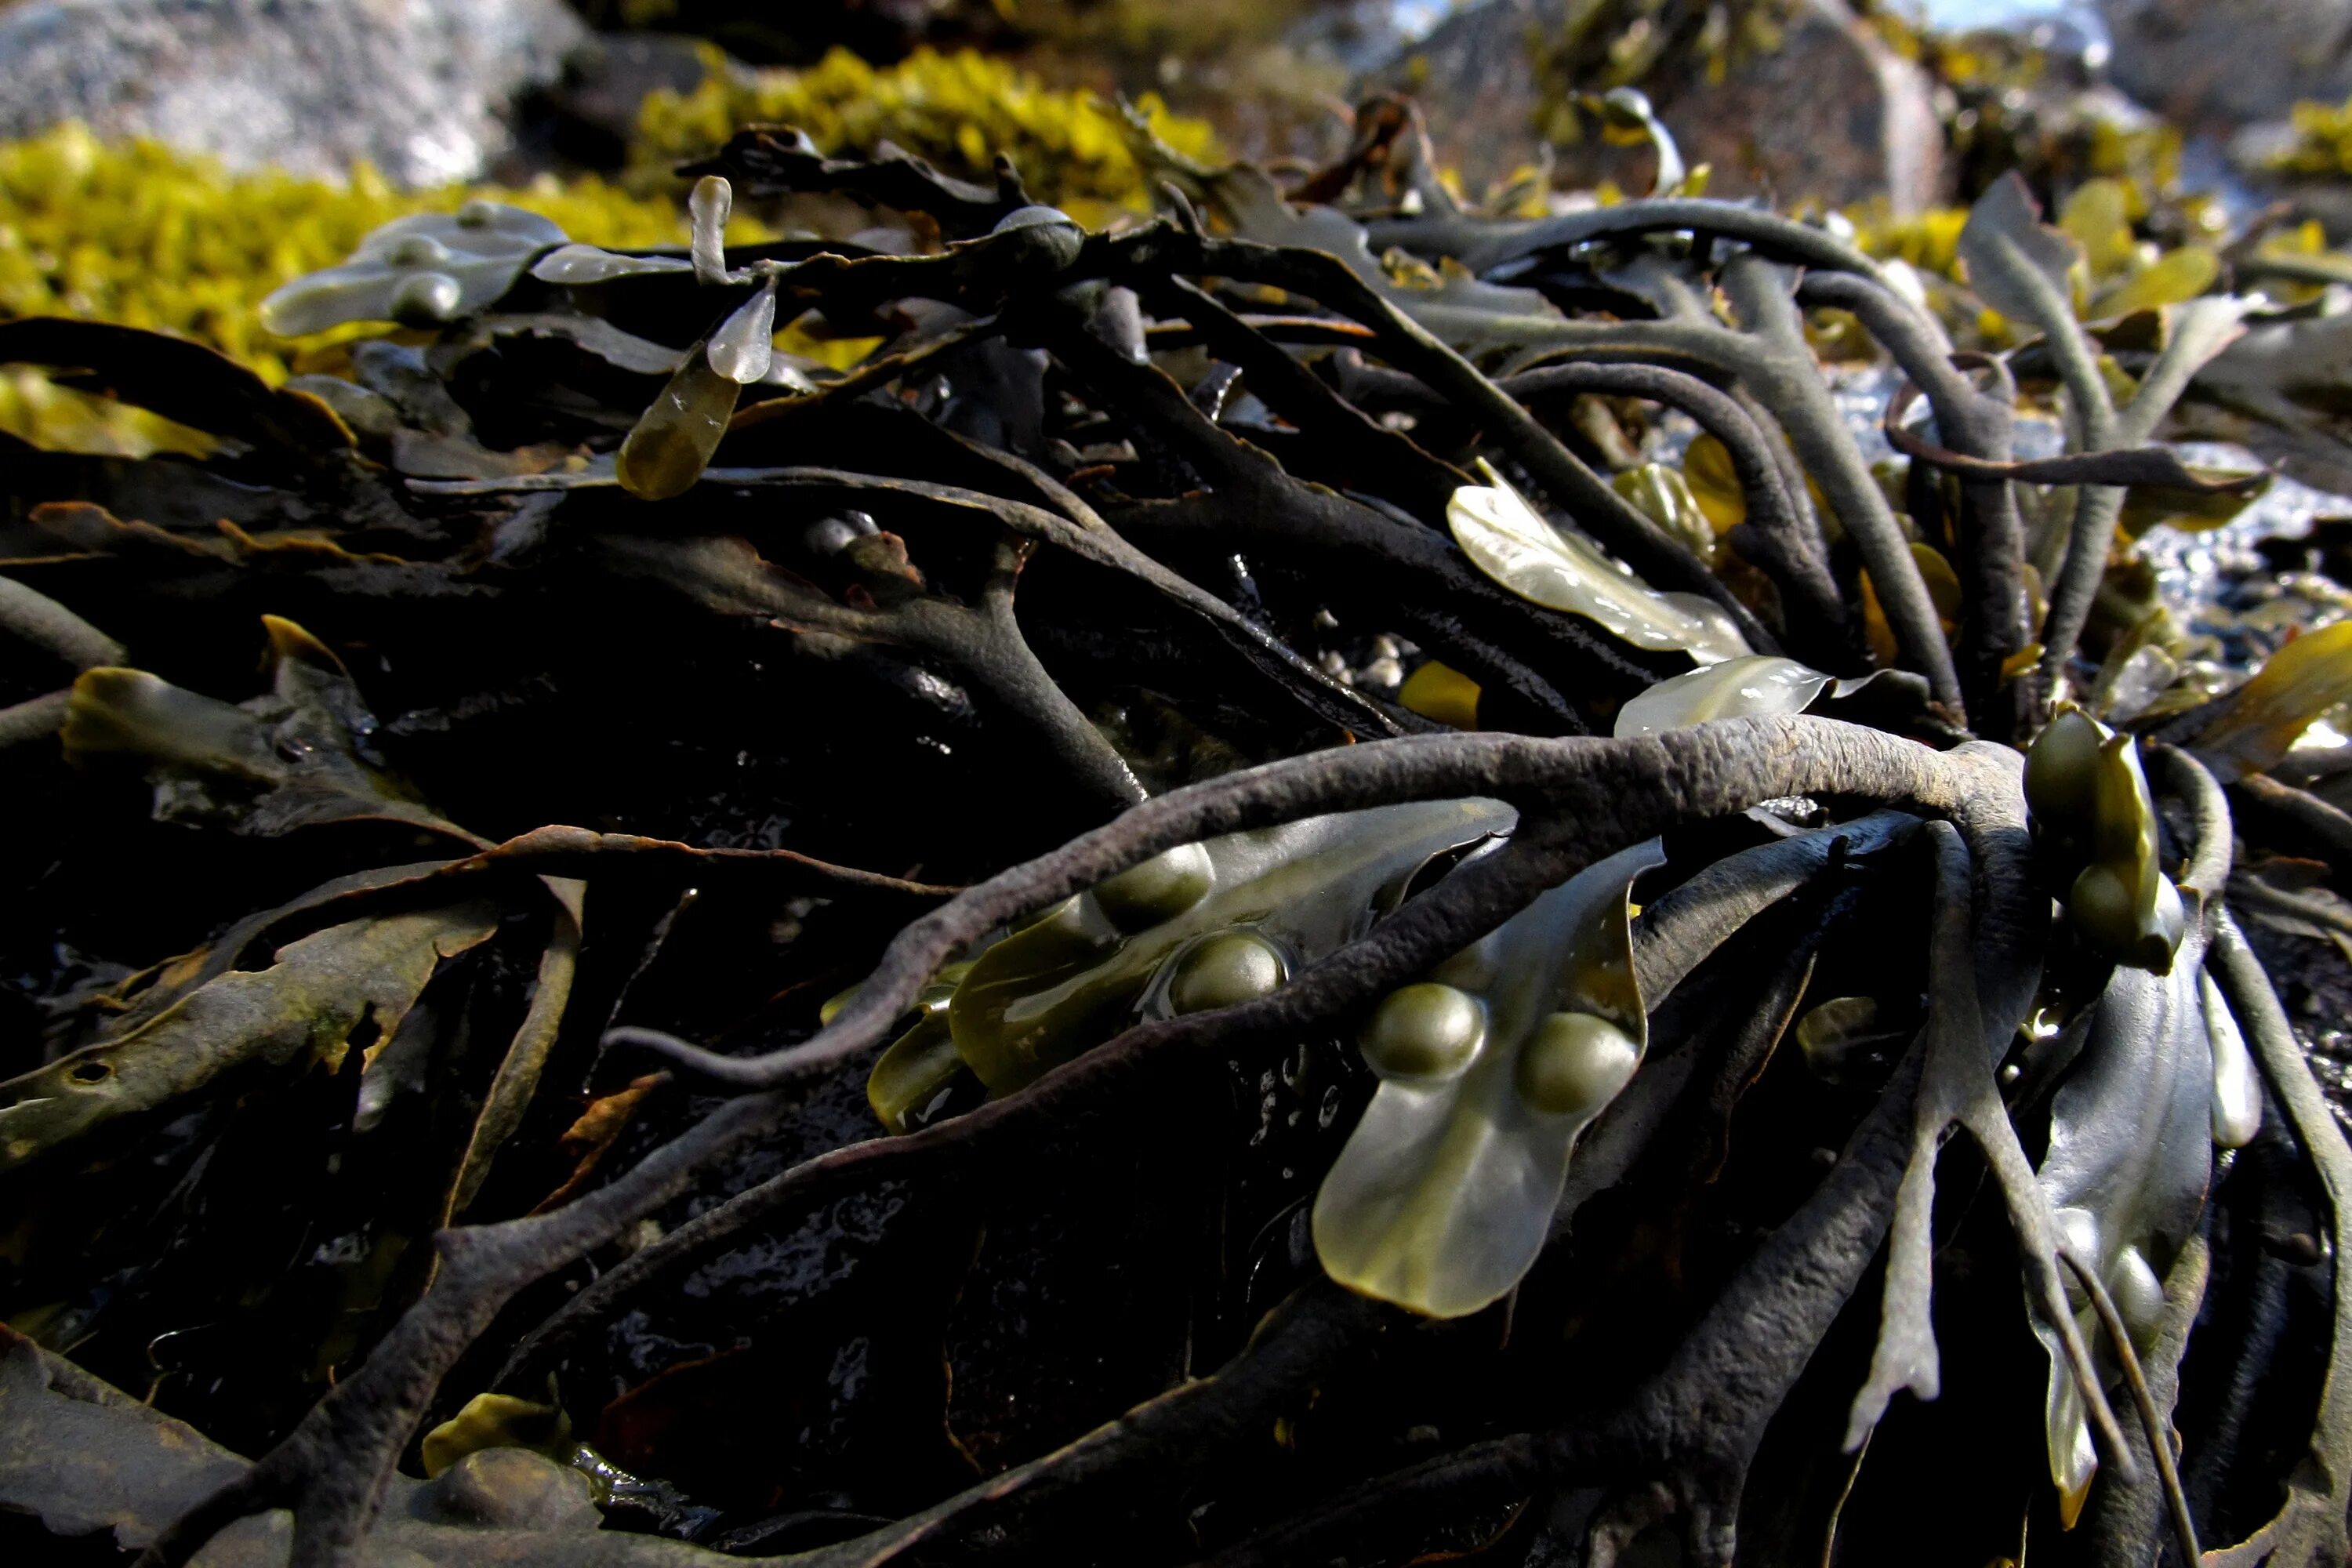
<point x="672" y="441"/>
<point x="118" y="710"/>
<point x="1444" y="1192"/>
<point x="573" y="264"/>
<point x="2062" y="773"/>
<point x="2173" y="279"/>
<point x="744" y="344"/>
<point x="479" y="227"/>
<point x="422" y="270"/>
<point x="1626" y="112"/>
<point x="2097" y="217"/>
<point x="1713" y="483"/>
<point x="305" y="746"/>
<point x="322" y="299"/>
<point x="1509" y="542"/>
<point x="2266" y="716"/>
<point x="1042" y="995"/>
<point x="1441" y="693"/>
<point x="302" y="1008"/>
<point x="918" y="1068"/>
<point x="2123" y="903"/>
<point x="1666" y="499"/>
<point x="496" y="1421"/>
<point x="1744" y="688"/>
<point x="1192" y="930"/>
<point x="2129" y="1160"/>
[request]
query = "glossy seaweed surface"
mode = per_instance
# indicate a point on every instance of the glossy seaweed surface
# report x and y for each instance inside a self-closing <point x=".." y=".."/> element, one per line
<point x="1329" y="878"/>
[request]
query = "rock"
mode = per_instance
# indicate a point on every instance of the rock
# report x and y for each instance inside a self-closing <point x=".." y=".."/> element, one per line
<point x="417" y="88"/>
<point x="80" y="1456"/>
<point x="2214" y="66"/>
<point x="1834" y="113"/>
<point x="592" y="112"/>
<point x="1474" y="76"/>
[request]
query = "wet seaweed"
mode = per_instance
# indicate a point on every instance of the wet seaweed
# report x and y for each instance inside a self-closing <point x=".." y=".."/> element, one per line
<point x="1156" y="922"/>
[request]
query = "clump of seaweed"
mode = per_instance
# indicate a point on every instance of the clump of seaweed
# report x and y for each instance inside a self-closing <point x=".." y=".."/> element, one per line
<point x="2322" y="144"/>
<point x="1315" y="845"/>
<point x="957" y="110"/>
<point x="149" y="236"/>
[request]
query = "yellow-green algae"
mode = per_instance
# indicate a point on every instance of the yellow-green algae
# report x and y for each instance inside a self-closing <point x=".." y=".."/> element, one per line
<point x="149" y="236"/>
<point x="957" y="110"/>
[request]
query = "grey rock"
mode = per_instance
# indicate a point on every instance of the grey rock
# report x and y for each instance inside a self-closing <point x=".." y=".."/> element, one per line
<point x="606" y="82"/>
<point x="2215" y="64"/>
<point x="80" y="1456"/>
<point x="417" y="88"/>
<point x="1474" y="76"/>
<point x="1832" y="114"/>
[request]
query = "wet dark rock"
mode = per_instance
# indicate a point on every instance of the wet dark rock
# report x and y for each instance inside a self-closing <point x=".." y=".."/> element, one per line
<point x="589" y="114"/>
<point x="2214" y="66"/>
<point x="1834" y="113"/>
<point x="510" y="1487"/>
<point x="418" y="88"/>
<point x="81" y="1456"/>
<point x="801" y="32"/>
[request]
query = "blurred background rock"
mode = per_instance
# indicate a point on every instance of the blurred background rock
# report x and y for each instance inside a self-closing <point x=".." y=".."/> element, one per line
<point x="1840" y="100"/>
<point x="168" y="161"/>
<point x="425" y="90"/>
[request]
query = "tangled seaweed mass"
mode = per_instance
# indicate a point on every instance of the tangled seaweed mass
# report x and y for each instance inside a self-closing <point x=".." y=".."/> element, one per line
<point x="1162" y="922"/>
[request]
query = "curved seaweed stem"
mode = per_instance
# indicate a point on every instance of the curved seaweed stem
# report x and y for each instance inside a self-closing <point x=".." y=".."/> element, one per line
<point x="2152" y="1422"/>
<point x="2310" y="1525"/>
<point x="333" y="1468"/>
<point x="40" y="620"/>
<point x="35" y="719"/>
<point x="1404" y="342"/>
<point x="1263" y="508"/>
<point x="1630" y="789"/>
<point x="1795" y="393"/>
<point x="1676" y="934"/>
<point x="1387" y="461"/>
<point x="1301" y="1343"/>
<point x="1991" y="534"/>
<point x="2205" y="327"/>
<point x="1785" y="543"/>
<point x="2207" y="871"/>
<point x="2293" y="820"/>
<point x="1698" y="1422"/>
<point x="1964" y="1039"/>
<point x="983" y="640"/>
<point x="1484" y="246"/>
<point x="2096" y="507"/>
<point x="1770" y="360"/>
